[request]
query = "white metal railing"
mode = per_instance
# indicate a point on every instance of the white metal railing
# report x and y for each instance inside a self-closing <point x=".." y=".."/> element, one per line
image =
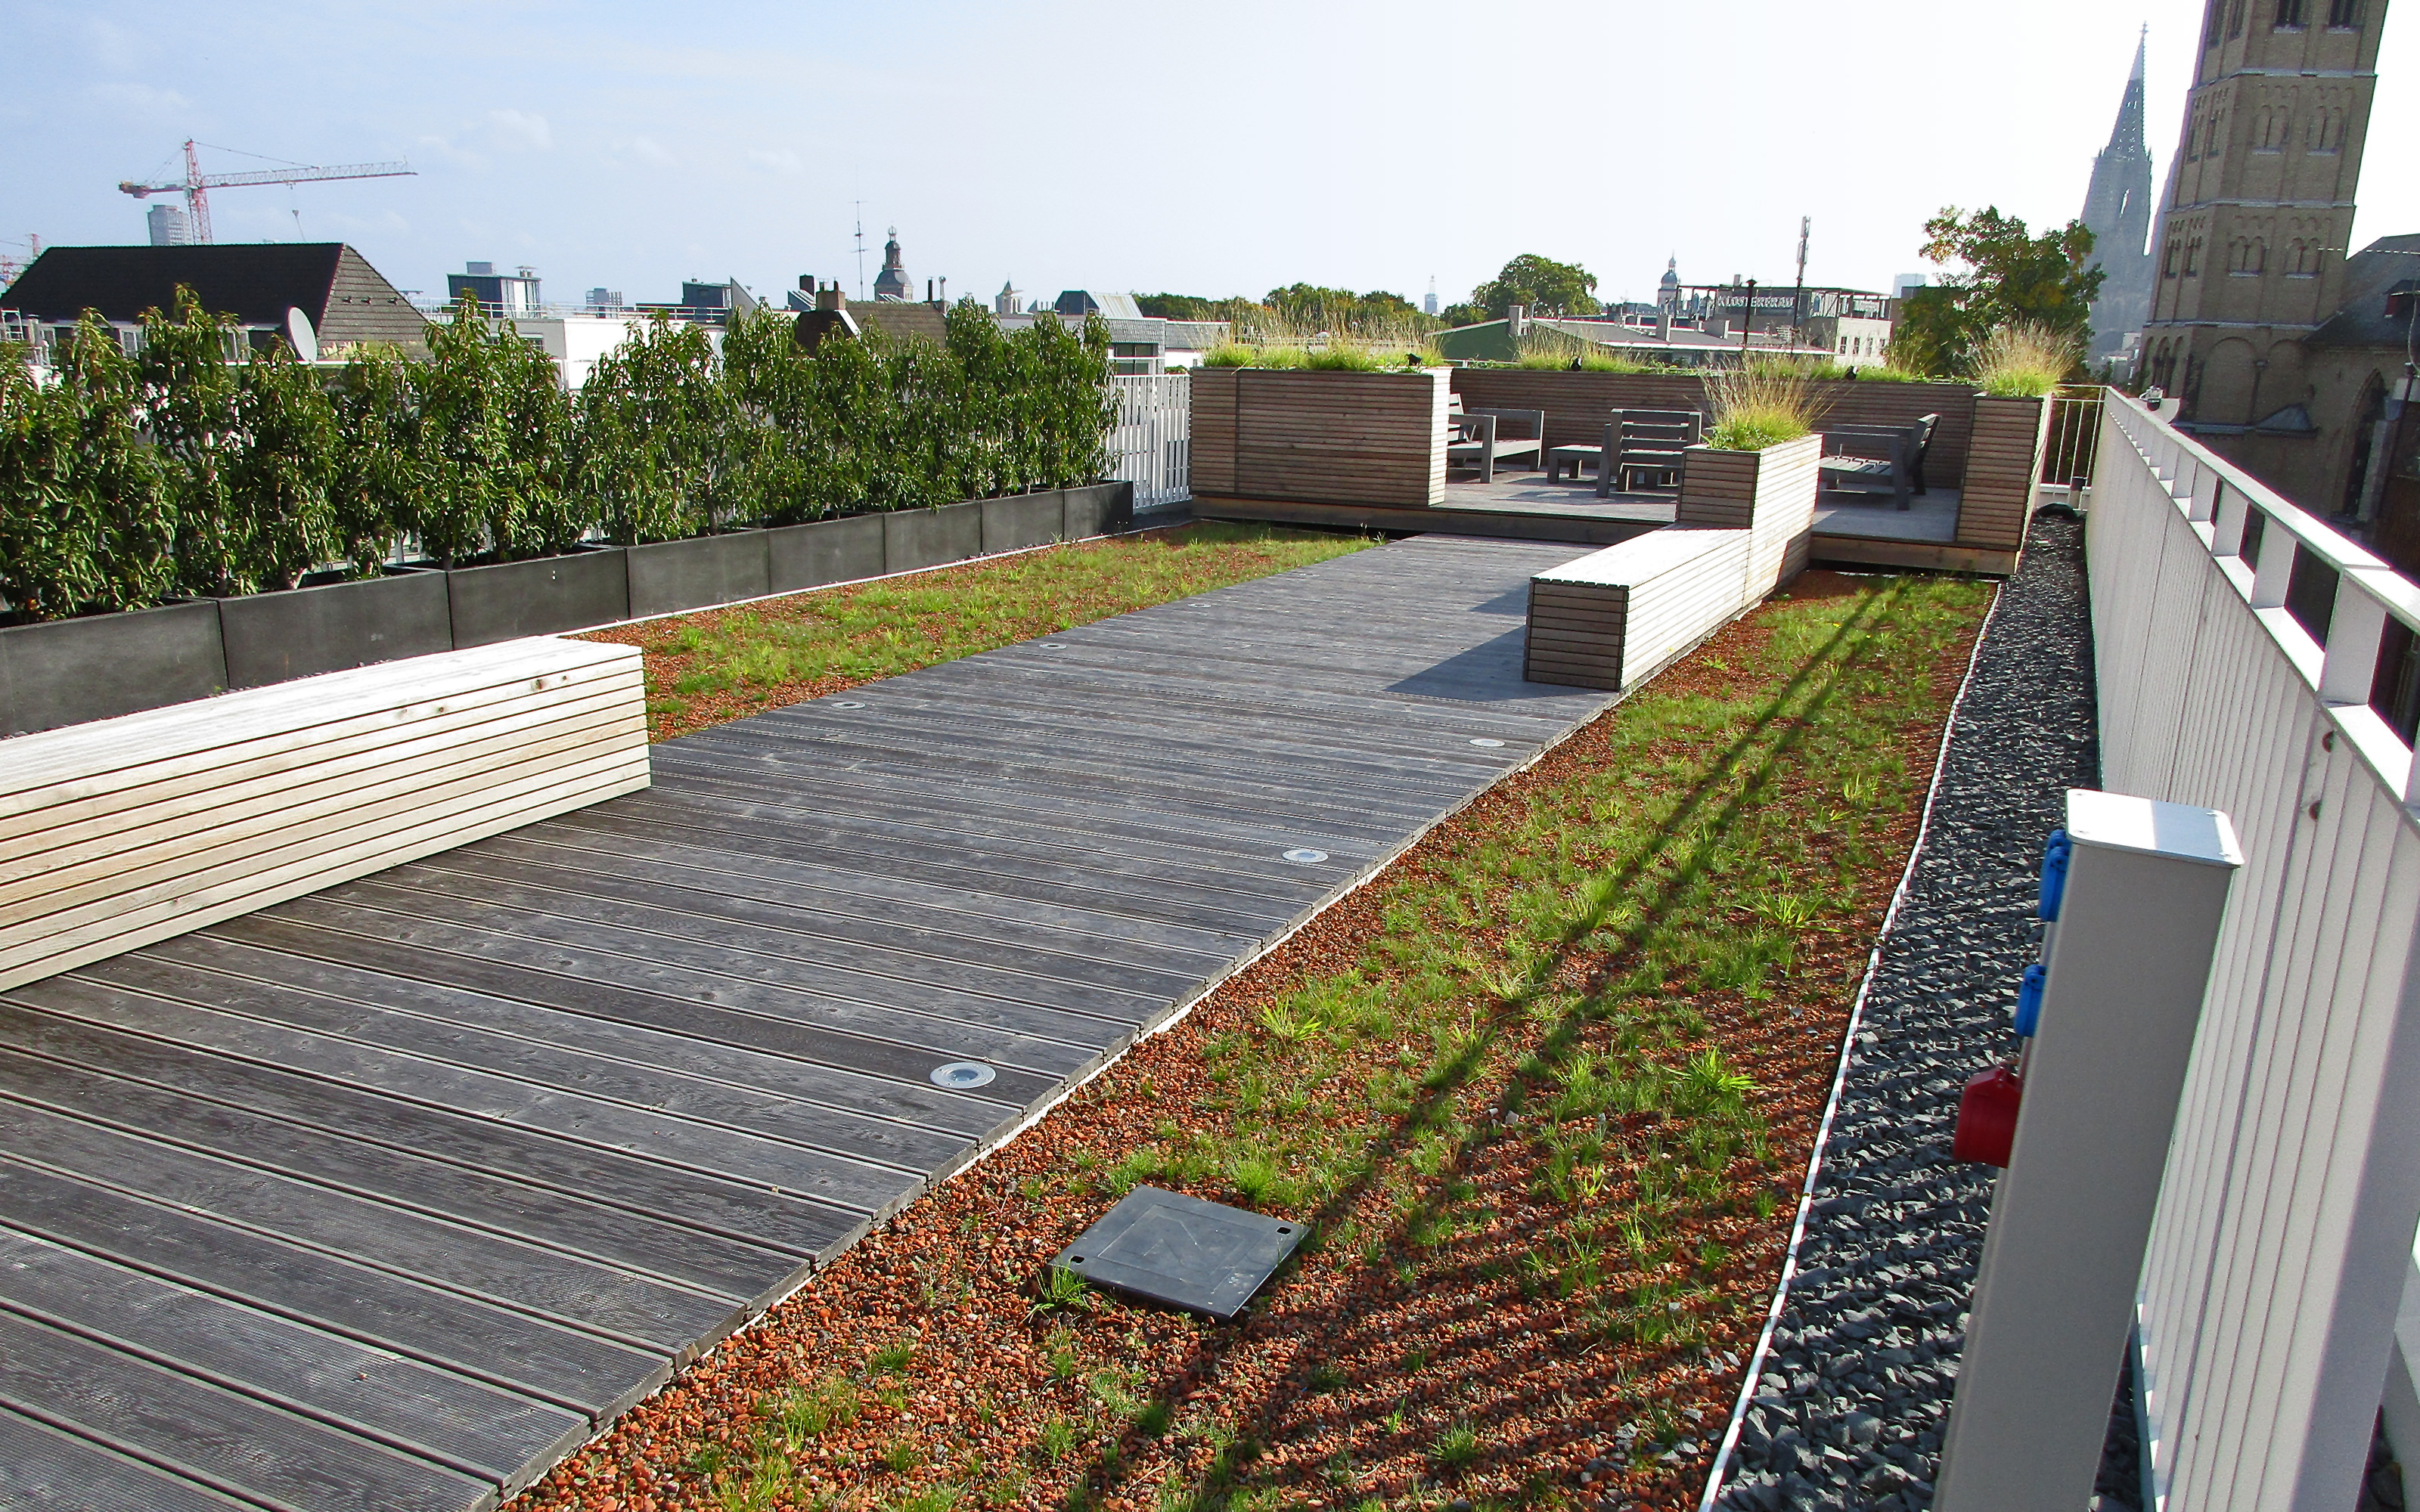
<point x="2240" y="645"/>
<point x="1151" y="444"/>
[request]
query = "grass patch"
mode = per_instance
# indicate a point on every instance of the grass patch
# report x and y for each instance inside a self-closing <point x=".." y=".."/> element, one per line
<point x="718" y="665"/>
<point x="2024" y="360"/>
<point x="1760" y="405"/>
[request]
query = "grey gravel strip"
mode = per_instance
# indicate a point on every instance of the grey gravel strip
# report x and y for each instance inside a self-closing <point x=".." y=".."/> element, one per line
<point x="1855" y="1389"/>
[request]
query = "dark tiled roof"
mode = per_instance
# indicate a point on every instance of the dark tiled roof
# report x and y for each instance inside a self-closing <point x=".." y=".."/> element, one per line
<point x="344" y="297"/>
<point x="2368" y="276"/>
<point x="901" y="318"/>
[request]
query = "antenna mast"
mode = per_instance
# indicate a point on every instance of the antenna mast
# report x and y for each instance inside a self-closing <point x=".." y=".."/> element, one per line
<point x="1798" y="295"/>
<point x="860" y="250"/>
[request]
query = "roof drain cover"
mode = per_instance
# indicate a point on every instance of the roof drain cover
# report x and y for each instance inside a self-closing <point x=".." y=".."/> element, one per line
<point x="1202" y="1257"/>
<point x="964" y="1076"/>
<point x="1305" y="855"/>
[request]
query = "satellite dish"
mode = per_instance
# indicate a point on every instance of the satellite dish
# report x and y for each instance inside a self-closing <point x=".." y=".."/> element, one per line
<point x="298" y="331"/>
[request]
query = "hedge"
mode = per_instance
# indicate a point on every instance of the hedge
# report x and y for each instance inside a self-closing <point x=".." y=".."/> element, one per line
<point x="182" y="471"/>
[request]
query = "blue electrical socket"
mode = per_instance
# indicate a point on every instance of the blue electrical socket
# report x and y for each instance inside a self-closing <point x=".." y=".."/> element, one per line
<point x="2029" y="994"/>
<point x="2054" y="875"/>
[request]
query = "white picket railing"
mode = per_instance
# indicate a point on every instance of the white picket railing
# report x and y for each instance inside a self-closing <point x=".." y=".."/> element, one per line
<point x="2237" y="644"/>
<point x="1150" y="444"/>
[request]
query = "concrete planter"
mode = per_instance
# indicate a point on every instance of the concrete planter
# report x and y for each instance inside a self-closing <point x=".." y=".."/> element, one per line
<point x="1320" y="437"/>
<point x="541" y="597"/>
<point x="1770" y="494"/>
<point x="913" y="538"/>
<point x="270" y="637"/>
<point x="2002" y="464"/>
<point x="1099" y="509"/>
<point x="1019" y="521"/>
<point x="66" y="672"/>
<point x="670" y="575"/>
<point x="823" y="552"/>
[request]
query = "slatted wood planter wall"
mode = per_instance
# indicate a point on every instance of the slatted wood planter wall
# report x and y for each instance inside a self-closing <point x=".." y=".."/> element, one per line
<point x="1320" y="437"/>
<point x="1616" y="617"/>
<point x="1770" y="494"/>
<point x="124" y="831"/>
<point x="2003" y="462"/>
<point x="1576" y="405"/>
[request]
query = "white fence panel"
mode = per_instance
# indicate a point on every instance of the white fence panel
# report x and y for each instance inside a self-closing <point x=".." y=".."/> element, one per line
<point x="1151" y="444"/>
<point x="2287" y="1212"/>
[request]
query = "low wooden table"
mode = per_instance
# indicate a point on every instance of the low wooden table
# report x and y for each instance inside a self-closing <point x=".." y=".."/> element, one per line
<point x="1572" y="456"/>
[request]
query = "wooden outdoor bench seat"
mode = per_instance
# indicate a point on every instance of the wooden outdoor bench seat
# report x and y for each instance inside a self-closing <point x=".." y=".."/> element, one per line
<point x="125" y="832"/>
<point x="1477" y="442"/>
<point x="1616" y="617"/>
<point x="1877" y="459"/>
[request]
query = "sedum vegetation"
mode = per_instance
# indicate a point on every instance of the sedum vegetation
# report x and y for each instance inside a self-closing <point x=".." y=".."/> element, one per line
<point x="188" y="468"/>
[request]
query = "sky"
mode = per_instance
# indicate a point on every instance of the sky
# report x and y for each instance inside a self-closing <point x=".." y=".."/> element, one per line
<point x="1205" y="149"/>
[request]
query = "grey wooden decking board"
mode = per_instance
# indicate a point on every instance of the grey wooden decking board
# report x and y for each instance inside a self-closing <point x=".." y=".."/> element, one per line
<point x="772" y="948"/>
<point x="53" y="1470"/>
<point x="1040" y="1060"/>
<point x="500" y="1273"/>
<point x="353" y="1067"/>
<point x="595" y="952"/>
<point x="825" y="915"/>
<point x="872" y="1105"/>
<point x="765" y="928"/>
<point x="778" y="1024"/>
<point x="864" y="1145"/>
<point x="451" y="1419"/>
<point x="576" y="1371"/>
<point x="716" y="1204"/>
<point x="767" y="955"/>
<point x="990" y="869"/>
<point x="243" y="1443"/>
<point x="639" y="1244"/>
<point x="1248" y="861"/>
<point x="757" y="879"/>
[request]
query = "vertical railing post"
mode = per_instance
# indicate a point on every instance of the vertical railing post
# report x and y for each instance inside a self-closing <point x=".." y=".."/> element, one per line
<point x="2228" y="515"/>
<point x="2128" y="959"/>
<point x="2355" y="631"/>
<point x="2275" y="568"/>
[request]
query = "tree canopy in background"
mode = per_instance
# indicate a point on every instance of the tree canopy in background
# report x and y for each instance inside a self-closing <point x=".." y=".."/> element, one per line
<point x="1540" y="285"/>
<point x="2009" y="277"/>
<point x="1297" y="309"/>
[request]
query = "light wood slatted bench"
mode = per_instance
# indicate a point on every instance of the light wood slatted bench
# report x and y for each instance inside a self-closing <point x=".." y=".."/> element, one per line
<point x="123" y="831"/>
<point x="1617" y="617"/>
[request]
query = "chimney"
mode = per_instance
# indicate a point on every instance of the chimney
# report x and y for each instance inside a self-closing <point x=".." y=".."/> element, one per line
<point x="1514" y="319"/>
<point x="1662" y="322"/>
<point x="945" y="292"/>
<point x="830" y="298"/>
<point x="806" y="283"/>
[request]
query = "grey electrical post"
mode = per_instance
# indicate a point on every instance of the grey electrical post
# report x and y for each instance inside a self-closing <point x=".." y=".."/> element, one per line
<point x="2126" y="966"/>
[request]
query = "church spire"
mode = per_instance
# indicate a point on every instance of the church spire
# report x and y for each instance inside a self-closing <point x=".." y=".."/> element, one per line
<point x="2126" y="136"/>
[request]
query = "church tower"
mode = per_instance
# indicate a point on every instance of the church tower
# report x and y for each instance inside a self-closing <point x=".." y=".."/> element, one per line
<point x="2118" y="211"/>
<point x="2259" y="203"/>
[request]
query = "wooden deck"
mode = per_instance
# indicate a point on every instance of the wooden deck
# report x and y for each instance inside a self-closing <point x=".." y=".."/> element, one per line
<point x="388" y="1196"/>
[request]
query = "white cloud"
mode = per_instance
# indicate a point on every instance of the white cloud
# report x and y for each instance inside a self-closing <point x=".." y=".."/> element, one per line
<point x="778" y="160"/>
<point x="650" y="150"/>
<point x="528" y="129"/>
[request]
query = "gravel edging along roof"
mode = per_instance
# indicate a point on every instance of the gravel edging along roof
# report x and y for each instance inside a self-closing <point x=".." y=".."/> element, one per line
<point x="1852" y="1378"/>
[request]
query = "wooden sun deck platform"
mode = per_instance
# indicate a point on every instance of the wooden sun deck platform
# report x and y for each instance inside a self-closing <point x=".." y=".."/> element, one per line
<point x="389" y="1196"/>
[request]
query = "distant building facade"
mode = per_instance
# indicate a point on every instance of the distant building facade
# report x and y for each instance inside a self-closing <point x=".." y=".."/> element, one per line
<point x="2118" y="212"/>
<point x="2250" y="269"/>
<point x="500" y="295"/>
<point x="169" y="226"/>
<point x="344" y="302"/>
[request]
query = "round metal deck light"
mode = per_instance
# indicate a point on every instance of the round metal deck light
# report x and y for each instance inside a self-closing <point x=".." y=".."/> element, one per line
<point x="1485" y="744"/>
<point x="1305" y="855"/>
<point x="849" y="703"/>
<point x="964" y="1076"/>
<point x="1052" y="645"/>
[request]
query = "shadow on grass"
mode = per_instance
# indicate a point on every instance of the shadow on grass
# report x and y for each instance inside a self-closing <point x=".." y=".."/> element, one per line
<point x="1493" y="1433"/>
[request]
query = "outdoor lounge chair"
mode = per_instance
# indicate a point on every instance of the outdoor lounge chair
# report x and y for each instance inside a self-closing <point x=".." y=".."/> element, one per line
<point x="1477" y="442"/>
<point x="1639" y="440"/>
<point x="1877" y="459"/>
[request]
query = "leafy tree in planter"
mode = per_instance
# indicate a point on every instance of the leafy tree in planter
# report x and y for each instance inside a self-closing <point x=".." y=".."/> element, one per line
<point x="88" y="523"/>
<point x="491" y="428"/>
<point x="377" y="475"/>
<point x="655" y="447"/>
<point x="190" y="383"/>
<point x="279" y="473"/>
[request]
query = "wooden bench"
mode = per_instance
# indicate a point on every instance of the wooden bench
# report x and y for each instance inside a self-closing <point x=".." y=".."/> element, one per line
<point x="1617" y="617"/>
<point x="120" y="832"/>
<point x="1638" y="441"/>
<point x="1878" y="460"/>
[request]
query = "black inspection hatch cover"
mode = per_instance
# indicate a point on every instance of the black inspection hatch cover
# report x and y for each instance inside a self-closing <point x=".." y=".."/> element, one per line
<point x="1200" y="1255"/>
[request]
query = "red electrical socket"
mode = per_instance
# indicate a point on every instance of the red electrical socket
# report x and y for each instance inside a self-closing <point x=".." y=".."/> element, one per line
<point x="1987" y="1117"/>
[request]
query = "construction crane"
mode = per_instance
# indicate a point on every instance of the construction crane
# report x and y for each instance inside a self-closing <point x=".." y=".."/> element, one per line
<point x="197" y="183"/>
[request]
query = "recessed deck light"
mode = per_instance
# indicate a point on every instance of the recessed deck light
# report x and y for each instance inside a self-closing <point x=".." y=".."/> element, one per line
<point x="964" y="1076"/>
<point x="1305" y="855"/>
<point x="1485" y="744"/>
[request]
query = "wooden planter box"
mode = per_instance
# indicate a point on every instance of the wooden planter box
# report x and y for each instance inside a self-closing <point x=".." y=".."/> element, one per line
<point x="1770" y="494"/>
<point x="2002" y="465"/>
<point x="1617" y="617"/>
<point x="1320" y="437"/>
